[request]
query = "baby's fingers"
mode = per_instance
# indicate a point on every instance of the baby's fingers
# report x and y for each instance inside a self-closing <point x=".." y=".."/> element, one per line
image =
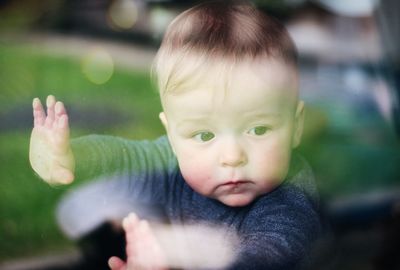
<point x="130" y="224"/>
<point x="62" y="134"/>
<point x="59" y="109"/>
<point x="62" y="176"/>
<point x="149" y="252"/>
<point x="50" y="103"/>
<point x="39" y="116"/>
<point x="116" y="263"/>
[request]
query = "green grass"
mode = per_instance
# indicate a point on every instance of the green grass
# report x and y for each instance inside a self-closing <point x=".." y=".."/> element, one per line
<point x="27" y="205"/>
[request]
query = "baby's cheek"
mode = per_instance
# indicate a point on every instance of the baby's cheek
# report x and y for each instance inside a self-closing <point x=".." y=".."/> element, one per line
<point x="197" y="174"/>
<point x="272" y="168"/>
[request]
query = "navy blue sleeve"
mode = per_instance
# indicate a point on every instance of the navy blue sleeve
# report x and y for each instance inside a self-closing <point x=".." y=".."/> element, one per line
<point x="279" y="231"/>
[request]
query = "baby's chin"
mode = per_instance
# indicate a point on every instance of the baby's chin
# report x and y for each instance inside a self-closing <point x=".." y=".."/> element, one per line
<point x="237" y="200"/>
<point x="247" y="197"/>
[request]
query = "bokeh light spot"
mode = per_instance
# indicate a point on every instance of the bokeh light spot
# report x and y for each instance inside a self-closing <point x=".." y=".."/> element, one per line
<point x="98" y="66"/>
<point x="123" y="14"/>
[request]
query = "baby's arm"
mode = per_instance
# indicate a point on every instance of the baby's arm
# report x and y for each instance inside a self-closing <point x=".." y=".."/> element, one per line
<point x="279" y="232"/>
<point x="50" y="153"/>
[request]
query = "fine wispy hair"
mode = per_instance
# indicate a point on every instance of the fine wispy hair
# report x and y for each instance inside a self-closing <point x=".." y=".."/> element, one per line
<point x="219" y="31"/>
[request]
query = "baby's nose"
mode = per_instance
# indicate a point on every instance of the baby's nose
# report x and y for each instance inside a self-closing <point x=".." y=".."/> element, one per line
<point x="232" y="155"/>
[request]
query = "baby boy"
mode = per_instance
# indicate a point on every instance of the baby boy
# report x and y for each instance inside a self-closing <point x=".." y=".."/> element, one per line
<point x="228" y="83"/>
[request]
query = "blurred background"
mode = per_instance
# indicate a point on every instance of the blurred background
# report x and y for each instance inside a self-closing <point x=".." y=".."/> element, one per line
<point x="95" y="55"/>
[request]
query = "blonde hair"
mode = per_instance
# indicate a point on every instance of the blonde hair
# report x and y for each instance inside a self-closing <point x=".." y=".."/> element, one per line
<point x="218" y="32"/>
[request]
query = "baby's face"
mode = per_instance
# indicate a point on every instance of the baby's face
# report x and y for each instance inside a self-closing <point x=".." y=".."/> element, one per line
<point x="233" y="141"/>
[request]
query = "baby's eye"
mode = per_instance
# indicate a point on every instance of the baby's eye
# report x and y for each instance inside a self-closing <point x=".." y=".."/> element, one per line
<point x="204" y="136"/>
<point x="258" y="131"/>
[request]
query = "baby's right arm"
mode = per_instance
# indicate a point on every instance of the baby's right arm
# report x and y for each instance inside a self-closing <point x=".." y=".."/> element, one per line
<point x="50" y="153"/>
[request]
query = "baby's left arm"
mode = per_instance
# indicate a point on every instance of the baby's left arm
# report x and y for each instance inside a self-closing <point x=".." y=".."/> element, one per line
<point x="279" y="231"/>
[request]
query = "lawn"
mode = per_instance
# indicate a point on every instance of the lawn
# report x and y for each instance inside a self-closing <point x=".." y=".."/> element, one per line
<point x="126" y="105"/>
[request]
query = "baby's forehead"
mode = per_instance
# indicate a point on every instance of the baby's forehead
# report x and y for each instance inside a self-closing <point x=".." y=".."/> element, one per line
<point x="244" y="86"/>
<point x="221" y="74"/>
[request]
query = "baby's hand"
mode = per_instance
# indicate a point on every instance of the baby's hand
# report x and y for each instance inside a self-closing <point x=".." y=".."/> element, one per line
<point x="174" y="246"/>
<point x="50" y="153"/>
<point x="142" y="248"/>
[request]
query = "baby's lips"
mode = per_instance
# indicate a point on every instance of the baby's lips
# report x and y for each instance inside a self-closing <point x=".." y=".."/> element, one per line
<point x="234" y="182"/>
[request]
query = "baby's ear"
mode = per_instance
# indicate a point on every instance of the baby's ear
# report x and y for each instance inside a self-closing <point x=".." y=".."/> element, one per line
<point x="298" y="124"/>
<point x="163" y="119"/>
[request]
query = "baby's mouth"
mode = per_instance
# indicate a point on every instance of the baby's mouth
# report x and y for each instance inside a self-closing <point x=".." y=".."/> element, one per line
<point x="235" y="183"/>
<point x="234" y="187"/>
